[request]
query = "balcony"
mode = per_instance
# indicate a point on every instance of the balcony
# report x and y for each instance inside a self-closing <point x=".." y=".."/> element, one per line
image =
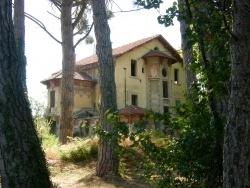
<point x="52" y="110"/>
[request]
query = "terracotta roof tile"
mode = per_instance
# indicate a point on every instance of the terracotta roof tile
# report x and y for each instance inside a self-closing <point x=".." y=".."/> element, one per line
<point x="77" y="76"/>
<point x="128" y="47"/>
<point x="91" y="61"/>
<point x="156" y="53"/>
<point x="131" y="109"/>
<point x="153" y="53"/>
<point x="88" y="60"/>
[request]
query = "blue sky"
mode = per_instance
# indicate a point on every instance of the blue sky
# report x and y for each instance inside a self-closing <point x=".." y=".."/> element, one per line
<point x="44" y="54"/>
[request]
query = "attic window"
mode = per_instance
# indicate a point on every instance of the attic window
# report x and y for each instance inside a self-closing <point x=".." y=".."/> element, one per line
<point x="156" y="48"/>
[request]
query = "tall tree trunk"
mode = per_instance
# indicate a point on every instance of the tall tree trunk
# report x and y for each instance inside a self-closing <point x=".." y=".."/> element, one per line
<point x="187" y="51"/>
<point x="217" y="101"/>
<point x="22" y="161"/>
<point x="107" y="158"/>
<point x="19" y="32"/>
<point x="237" y="133"/>
<point x="67" y="90"/>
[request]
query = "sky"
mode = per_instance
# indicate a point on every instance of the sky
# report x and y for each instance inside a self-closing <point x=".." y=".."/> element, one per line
<point x="44" y="55"/>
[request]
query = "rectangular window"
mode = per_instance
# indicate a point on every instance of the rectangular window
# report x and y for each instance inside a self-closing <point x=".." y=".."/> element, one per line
<point x="165" y="89"/>
<point x="176" y="76"/>
<point x="133" y="67"/>
<point x="134" y="99"/>
<point x="165" y="109"/>
<point x="52" y="99"/>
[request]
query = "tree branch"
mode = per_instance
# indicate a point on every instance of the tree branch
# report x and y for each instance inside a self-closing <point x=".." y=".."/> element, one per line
<point x="56" y="3"/>
<point x="225" y="21"/>
<point x="86" y="35"/>
<point x="79" y="15"/>
<point x="41" y="25"/>
<point x="128" y="10"/>
<point x="188" y="9"/>
<point x="76" y="3"/>
<point x="54" y="15"/>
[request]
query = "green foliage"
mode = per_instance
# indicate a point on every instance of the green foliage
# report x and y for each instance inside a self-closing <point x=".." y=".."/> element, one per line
<point x="37" y="108"/>
<point x="188" y="158"/>
<point x="89" y="40"/>
<point x="119" y="132"/>
<point x="171" y="13"/>
<point x="185" y="158"/>
<point x="192" y="157"/>
<point x="149" y="3"/>
<point x="43" y="127"/>
<point x="79" y="150"/>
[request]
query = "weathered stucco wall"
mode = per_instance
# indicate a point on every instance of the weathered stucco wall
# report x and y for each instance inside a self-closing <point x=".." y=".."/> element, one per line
<point x="147" y="84"/>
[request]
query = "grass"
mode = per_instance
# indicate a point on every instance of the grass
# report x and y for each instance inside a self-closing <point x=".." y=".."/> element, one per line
<point x="79" y="150"/>
<point x="73" y="165"/>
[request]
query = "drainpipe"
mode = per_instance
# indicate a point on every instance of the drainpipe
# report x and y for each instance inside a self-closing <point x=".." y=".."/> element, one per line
<point x="125" y="89"/>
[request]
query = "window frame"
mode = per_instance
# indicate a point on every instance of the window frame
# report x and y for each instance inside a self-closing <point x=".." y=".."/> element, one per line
<point x="165" y="89"/>
<point x="134" y="99"/>
<point x="176" y="76"/>
<point x="52" y="99"/>
<point x="133" y="68"/>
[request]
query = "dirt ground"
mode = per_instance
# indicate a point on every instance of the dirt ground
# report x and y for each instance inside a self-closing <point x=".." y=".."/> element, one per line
<point x="69" y="175"/>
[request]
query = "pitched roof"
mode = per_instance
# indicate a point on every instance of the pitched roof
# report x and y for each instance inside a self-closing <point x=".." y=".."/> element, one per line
<point x="156" y="53"/>
<point x="85" y="113"/>
<point x="91" y="61"/>
<point x="131" y="109"/>
<point x="129" y="47"/>
<point x="77" y="76"/>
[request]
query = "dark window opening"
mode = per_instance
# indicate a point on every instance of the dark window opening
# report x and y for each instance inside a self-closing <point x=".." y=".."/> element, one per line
<point x="164" y="72"/>
<point x="133" y="68"/>
<point x="176" y="76"/>
<point x="142" y="70"/>
<point x="165" y="89"/>
<point x="52" y="99"/>
<point x="165" y="109"/>
<point x="134" y="99"/>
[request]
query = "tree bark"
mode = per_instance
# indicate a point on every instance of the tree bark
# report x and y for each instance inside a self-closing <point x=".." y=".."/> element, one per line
<point x="208" y="50"/>
<point x="187" y="52"/>
<point x="107" y="158"/>
<point x="22" y="161"/>
<point x="67" y="90"/>
<point x="237" y="133"/>
<point x="19" y="32"/>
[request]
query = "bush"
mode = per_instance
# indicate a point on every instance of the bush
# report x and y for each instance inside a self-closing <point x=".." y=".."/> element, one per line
<point x="191" y="158"/>
<point x="79" y="150"/>
<point x="43" y="130"/>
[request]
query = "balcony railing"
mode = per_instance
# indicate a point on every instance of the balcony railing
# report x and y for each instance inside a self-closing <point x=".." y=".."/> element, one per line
<point x="52" y="110"/>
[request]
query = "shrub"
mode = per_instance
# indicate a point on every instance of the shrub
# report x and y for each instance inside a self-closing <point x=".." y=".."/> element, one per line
<point x="79" y="150"/>
<point x="42" y="124"/>
<point x="43" y="131"/>
<point x="191" y="158"/>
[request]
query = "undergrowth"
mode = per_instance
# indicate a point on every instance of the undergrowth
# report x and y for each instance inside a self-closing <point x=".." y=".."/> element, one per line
<point x="79" y="150"/>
